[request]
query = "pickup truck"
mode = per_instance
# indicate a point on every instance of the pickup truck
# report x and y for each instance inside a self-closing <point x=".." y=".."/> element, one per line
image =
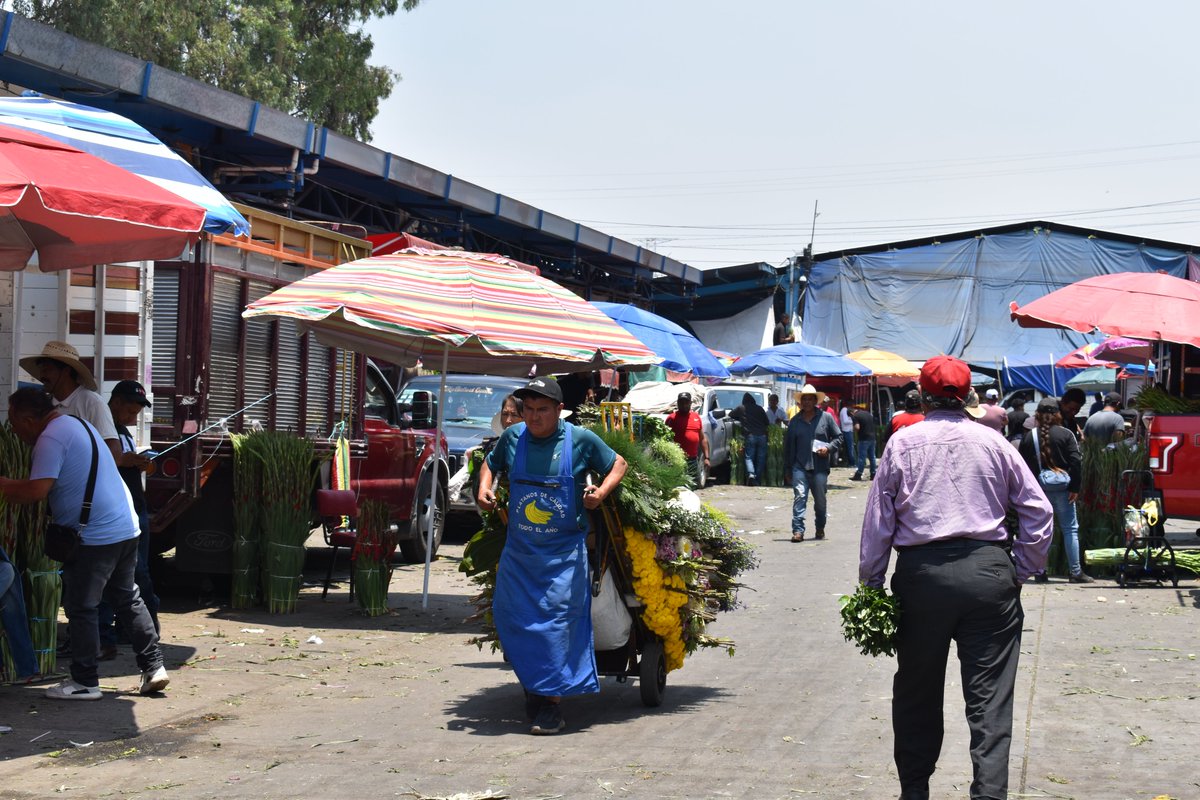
<point x="719" y="430"/>
<point x="1174" y="451"/>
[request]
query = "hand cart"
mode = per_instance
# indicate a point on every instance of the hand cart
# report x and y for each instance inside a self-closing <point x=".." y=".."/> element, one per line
<point x="642" y="656"/>
<point x="1148" y="555"/>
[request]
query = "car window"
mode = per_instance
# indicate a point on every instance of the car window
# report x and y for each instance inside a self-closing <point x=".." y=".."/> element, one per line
<point x="378" y="400"/>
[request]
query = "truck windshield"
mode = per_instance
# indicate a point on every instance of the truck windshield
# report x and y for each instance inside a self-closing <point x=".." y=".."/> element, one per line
<point x="731" y="398"/>
<point x="474" y="403"/>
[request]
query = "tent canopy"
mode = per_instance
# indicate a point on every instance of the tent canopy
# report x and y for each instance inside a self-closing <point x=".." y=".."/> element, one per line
<point x="952" y="295"/>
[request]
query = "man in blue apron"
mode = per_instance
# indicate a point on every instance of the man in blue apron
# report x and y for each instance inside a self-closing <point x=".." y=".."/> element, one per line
<point x="542" y="601"/>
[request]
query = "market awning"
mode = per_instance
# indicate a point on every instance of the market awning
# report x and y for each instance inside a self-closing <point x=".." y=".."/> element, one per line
<point x="126" y="144"/>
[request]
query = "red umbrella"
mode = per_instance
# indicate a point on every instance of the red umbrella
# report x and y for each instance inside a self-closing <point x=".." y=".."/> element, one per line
<point x="1143" y="305"/>
<point x="75" y="209"/>
<point x="1082" y="358"/>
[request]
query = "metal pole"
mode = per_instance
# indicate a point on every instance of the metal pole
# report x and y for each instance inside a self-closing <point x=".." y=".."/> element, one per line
<point x="437" y="449"/>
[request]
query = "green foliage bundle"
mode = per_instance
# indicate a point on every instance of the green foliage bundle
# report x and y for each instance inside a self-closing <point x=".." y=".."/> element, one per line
<point x="247" y="522"/>
<point x="776" y="470"/>
<point x="21" y="531"/>
<point x="650" y="480"/>
<point x="652" y="429"/>
<point x="1153" y="398"/>
<point x="869" y="619"/>
<point x="288" y="470"/>
<point x="1104" y="493"/>
<point x="373" y="550"/>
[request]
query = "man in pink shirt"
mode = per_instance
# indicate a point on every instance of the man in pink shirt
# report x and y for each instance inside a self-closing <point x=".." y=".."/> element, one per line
<point x="939" y="499"/>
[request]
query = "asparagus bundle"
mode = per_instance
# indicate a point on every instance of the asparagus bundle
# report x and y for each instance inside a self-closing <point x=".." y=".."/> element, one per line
<point x="737" y="457"/>
<point x="21" y="531"/>
<point x="288" y="475"/>
<point x="373" y="549"/>
<point x="247" y="533"/>
<point x="775" y="465"/>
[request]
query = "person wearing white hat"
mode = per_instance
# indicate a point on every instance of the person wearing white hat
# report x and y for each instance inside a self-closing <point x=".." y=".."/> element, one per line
<point x="811" y="440"/>
<point x="73" y="388"/>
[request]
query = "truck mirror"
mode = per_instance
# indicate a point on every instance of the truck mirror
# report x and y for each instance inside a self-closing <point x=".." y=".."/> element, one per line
<point x="424" y="410"/>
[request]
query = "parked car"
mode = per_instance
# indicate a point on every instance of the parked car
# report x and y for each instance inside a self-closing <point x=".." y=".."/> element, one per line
<point x="470" y="404"/>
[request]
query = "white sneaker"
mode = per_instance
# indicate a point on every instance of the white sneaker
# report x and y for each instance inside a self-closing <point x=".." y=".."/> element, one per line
<point x="70" y="690"/>
<point x="154" y="680"/>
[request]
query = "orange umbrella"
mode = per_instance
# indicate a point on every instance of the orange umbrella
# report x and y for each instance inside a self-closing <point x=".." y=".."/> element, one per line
<point x="888" y="369"/>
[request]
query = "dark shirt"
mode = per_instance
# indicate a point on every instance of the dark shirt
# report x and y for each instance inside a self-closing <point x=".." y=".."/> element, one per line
<point x="798" y="441"/>
<point x="753" y="418"/>
<point x="1064" y="449"/>
<point x="131" y="475"/>
<point x="1016" y="423"/>
<point x="866" y="425"/>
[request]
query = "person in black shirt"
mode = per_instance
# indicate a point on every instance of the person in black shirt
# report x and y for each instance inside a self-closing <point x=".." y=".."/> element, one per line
<point x="1016" y="418"/>
<point x="126" y="403"/>
<point x="1070" y="403"/>
<point x="864" y="434"/>
<point x="754" y="428"/>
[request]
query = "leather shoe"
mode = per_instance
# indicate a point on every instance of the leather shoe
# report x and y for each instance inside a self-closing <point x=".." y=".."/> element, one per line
<point x="1041" y="577"/>
<point x="1081" y="577"/>
<point x="108" y="652"/>
<point x="820" y="533"/>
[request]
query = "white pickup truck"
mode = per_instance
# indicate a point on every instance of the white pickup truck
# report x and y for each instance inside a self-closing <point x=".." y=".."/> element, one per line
<point x="659" y="398"/>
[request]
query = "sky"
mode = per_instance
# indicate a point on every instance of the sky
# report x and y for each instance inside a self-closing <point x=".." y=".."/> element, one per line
<point x="711" y="131"/>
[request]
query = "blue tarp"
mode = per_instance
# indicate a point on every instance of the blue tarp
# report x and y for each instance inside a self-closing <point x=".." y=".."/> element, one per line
<point x="953" y="297"/>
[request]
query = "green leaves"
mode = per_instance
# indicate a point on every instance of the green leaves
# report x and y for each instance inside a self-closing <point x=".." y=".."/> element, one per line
<point x="308" y="58"/>
<point x="869" y="619"/>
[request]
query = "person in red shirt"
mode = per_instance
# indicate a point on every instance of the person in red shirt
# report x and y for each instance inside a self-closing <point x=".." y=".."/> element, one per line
<point x="911" y="414"/>
<point x="689" y="435"/>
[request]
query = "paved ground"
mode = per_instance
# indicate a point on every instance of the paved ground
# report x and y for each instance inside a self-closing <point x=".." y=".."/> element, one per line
<point x="1108" y="699"/>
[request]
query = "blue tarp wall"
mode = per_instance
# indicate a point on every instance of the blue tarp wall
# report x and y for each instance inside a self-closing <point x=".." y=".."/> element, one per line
<point x="952" y="297"/>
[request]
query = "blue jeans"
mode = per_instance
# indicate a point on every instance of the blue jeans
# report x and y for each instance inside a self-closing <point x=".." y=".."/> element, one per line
<point x="105" y="571"/>
<point x="848" y="438"/>
<point x="866" y="450"/>
<point x="1068" y="523"/>
<point x="804" y="483"/>
<point x="756" y="456"/>
<point x="15" y="620"/>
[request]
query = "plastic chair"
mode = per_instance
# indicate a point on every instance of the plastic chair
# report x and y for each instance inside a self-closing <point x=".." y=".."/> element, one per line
<point x="338" y="510"/>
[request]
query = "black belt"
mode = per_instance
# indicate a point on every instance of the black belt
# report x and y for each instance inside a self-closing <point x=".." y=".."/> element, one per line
<point x="953" y="543"/>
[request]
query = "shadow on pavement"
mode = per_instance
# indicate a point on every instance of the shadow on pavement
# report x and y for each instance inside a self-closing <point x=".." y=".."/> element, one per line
<point x="500" y="711"/>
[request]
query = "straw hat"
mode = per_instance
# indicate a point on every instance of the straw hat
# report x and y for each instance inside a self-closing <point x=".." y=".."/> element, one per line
<point x="64" y="354"/>
<point x="808" y="388"/>
<point x="971" y="405"/>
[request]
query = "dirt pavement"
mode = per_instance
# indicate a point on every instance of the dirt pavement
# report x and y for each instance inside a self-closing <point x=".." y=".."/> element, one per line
<point x="399" y="706"/>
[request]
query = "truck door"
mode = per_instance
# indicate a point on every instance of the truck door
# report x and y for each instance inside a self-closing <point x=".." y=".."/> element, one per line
<point x="716" y="430"/>
<point x="389" y="470"/>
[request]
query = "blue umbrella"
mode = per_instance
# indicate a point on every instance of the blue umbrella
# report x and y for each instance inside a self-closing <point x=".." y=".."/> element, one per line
<point x="797" y="358"/>
<point x="678" y="349"/>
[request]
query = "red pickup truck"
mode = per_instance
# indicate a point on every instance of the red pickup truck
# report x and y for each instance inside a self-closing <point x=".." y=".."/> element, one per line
<point x="1174" y="442"/>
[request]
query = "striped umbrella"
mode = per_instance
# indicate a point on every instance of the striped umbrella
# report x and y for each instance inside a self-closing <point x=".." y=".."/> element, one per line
<point x="480" y="312"/>
<point x="123" y="142"/>
<point x="473" y="312"/>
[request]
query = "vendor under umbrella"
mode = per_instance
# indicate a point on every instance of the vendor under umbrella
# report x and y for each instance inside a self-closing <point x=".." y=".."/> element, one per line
<point x="541" y="605"/>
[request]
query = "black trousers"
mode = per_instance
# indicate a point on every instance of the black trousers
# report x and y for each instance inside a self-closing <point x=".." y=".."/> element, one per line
<point x="965" y="591"/>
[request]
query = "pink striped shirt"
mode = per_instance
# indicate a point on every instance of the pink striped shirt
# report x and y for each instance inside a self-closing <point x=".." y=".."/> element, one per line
<point x="949" y="477"/>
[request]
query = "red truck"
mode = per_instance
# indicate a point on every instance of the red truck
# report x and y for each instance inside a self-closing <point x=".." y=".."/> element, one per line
<point x="215" y="373"/>
<point x="1174" y="438"/>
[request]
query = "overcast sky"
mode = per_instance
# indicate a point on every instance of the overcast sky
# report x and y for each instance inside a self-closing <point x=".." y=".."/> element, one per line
<point x="709" y="130"/>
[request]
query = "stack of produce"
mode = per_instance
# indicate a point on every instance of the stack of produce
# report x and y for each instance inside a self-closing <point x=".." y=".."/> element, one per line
<point x="737" y="456"/>
<point x="684" y="564"/>
<point x="288" y="474"/>
<point x="1115" y="556"/>
<point x="21" y="528"/>
<point x="775" y="467"/>
<point x="1103" y="494"/>
<point x="373" y="549"/>
<point x="247" y="520"/>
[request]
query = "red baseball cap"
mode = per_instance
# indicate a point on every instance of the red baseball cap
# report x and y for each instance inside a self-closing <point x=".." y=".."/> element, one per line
<point x="946" y="376"/>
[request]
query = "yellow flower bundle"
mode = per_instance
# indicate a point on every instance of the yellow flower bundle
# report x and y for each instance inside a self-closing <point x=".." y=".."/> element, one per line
<point x="662" y="595"/>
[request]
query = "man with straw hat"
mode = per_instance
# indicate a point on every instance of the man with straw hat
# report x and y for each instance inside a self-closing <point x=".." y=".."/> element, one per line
<point x="811" y="439"/>
<point x="74" y="390"/>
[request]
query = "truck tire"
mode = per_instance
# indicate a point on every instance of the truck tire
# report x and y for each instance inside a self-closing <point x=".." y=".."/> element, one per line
<point x="702" y="477"/>
<point x="412" y="549"/>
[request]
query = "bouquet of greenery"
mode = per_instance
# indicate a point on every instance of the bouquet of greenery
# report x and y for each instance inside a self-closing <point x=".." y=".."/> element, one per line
<point x="869" y="619"/>
<point x="247" y="521"/>
<point x="373" y="549"/>
<point x="288" y="474"/>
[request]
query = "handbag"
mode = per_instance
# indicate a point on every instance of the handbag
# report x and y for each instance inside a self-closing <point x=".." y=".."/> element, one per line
<point x="1049" y="476"/>
<point x="60" y="542"/>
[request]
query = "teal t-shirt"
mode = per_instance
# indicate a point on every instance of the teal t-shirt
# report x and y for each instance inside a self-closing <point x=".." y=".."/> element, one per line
<point x="588" y="451"/>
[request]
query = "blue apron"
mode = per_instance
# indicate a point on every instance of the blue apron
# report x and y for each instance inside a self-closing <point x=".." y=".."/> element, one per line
<point x="542" y="601"/>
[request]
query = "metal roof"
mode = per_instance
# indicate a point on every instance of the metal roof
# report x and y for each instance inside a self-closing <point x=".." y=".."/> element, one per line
<point x="247" y="150"/>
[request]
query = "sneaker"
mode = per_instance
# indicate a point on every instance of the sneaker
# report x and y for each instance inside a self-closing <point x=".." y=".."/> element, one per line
<point x="70" y="690"/>
<point x="1081" y="577"/>
<point x="820" y="533"/>
<point x="1041" y="577"/>
<point x="533" y="704"/>
<point x="798" y="536"/>
<point x="154" y="680"/>
<point x="549" y="720"/>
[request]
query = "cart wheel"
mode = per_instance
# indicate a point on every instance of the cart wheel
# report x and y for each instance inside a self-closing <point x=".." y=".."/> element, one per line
<point x="1121" y="576"/>
<point x="652" y="673"/>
